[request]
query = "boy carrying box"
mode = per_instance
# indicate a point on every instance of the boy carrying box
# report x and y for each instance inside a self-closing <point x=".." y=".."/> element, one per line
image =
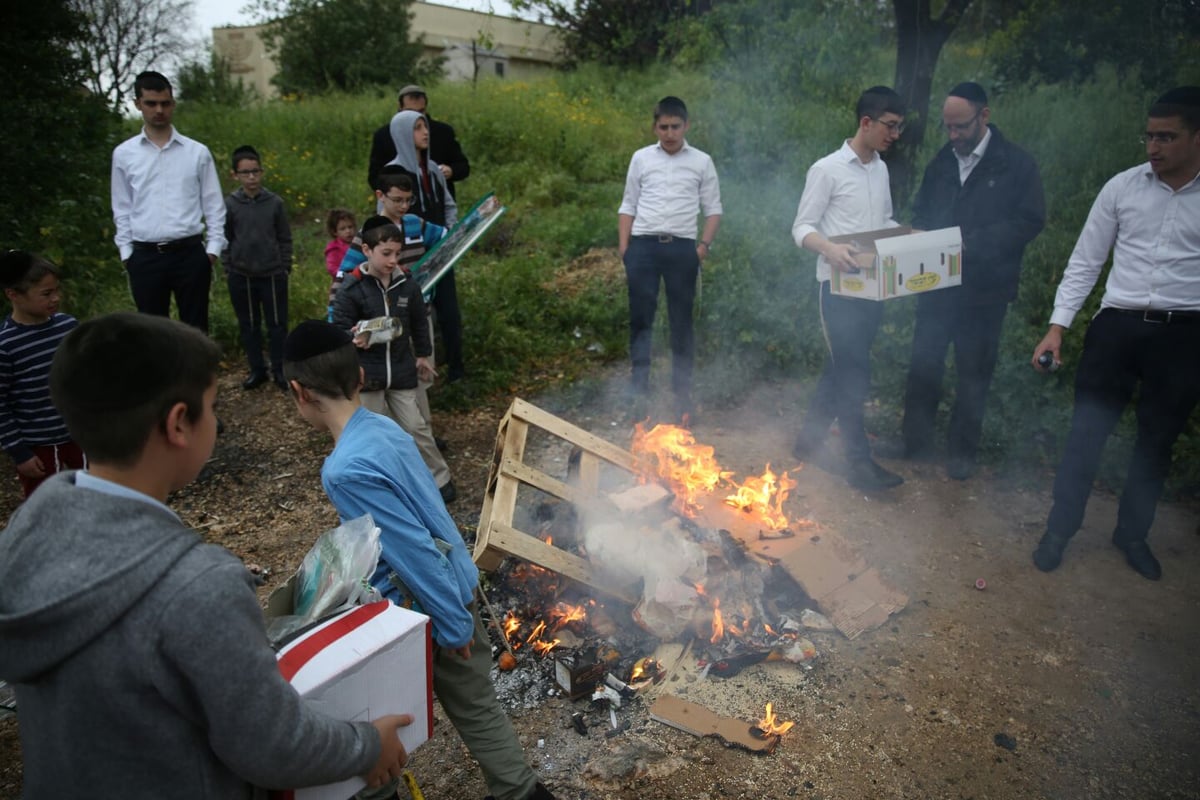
<point x="138" y="652"/>
<point x="375" y="469"/>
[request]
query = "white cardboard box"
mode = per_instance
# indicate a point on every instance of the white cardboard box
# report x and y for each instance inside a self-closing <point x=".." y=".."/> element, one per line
<point x="896" y="262"/>
<point x="364" y="663"/>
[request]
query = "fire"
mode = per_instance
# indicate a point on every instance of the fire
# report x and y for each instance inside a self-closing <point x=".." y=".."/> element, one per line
<point x="564" y="613"/>
<point x="718" y="625"/>
<point x="690" y="470"/>
<point x="771" y="727"/>
<point x="541" y="648"/>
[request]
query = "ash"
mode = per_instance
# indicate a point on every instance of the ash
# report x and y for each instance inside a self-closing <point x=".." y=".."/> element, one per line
<point x="527" y="686"/>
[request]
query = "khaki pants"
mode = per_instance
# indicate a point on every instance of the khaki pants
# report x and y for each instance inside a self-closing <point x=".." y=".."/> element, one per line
<point x="402" y="406"/>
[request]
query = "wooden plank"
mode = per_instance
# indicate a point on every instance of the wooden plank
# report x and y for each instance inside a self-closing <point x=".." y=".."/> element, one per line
<point x="565" y="430"/>
<point x="513" y="542"/>
<point x="563" y="491"/>
<point x="589" y="472"/>
<point x="504" y="495"/>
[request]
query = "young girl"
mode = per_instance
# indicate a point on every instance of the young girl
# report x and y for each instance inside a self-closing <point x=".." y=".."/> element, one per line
<point x="31" y="430"/>
<point x="341" y="225"/>
<point x="394" y="350"/>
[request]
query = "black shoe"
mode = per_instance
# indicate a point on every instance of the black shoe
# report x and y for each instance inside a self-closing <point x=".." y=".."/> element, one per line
<point x="254" y="380"/>
<point x="867" y="475"/>
<point x="449" y="492"/>
<point x="281" y="382"/>
<point x="1138" y="556"/>
<point x="1049" y="552"/>
<point x="456" y="374"/>
<point x="960" y="468"/>
<point x="442" y="445"/>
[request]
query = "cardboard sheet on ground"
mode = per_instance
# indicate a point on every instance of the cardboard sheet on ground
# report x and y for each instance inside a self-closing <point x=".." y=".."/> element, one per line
<point x="699" y="721"/>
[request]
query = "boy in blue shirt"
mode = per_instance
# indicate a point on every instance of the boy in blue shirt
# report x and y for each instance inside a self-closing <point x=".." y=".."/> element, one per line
<point x="375" y="469"/>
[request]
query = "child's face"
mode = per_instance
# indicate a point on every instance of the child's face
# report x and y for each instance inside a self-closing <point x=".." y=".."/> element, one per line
<point x="670" y="131"/>
<point x="249" y="174"/>
<point x="421" y="135"/>
<point x="37" y="303"/>
<point x="345" y="230"/>
<point x="396" y="203"/>
<point x="383" y="258"/>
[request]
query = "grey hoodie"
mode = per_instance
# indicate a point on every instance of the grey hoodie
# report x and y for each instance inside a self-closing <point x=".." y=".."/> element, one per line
<point x="439" y="208"/>
<point x="140" y="661"/>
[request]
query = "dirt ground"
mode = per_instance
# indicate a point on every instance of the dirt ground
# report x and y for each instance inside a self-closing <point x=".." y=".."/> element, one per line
<point x="1077" y="684"/>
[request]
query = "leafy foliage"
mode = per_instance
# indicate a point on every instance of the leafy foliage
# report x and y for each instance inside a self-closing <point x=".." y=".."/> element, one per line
<point x="344" y="45"/>
<point x="213" y="83"/>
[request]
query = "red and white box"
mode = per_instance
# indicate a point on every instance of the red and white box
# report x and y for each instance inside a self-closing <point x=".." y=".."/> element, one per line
<point x="360" y="665"/>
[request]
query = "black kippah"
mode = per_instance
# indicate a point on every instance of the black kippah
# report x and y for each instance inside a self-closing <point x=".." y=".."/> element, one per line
<point x="971" y="92"/>
<point x="13" y="266"/>
<point x="1188" y="96"/>
<point x="376" y="222"/>
<point x="313" y="337"/>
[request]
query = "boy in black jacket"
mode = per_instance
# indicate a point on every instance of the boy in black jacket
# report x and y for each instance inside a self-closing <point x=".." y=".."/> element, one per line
<point x="394" y="341"/>
<point x="257" y="260"/>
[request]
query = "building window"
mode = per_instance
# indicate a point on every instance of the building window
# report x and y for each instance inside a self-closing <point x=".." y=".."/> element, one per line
<point x="499" y="69"/>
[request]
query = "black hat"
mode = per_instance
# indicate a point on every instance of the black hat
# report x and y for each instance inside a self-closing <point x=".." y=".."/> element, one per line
<point x="313" y="337"/>
<point x="971" y="92"/>
<point x="1188" y="96"/>
<point x="13" y="267"/>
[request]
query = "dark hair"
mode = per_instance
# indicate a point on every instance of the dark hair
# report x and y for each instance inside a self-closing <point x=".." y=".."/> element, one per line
<point x="244" y="153"/>
<point x="335" y="217"/>
<point x="115" y="378"/>
<point x="395" y="177"/>
<point x="380" y="229"/>
<point x="877" y="101"/>
<point x="151" y="81"/>
<point x="1182" y="102"/>
<point x="972" y="92"/>
<point x="333" y="374"/>
<point x="20" y="270"/>
<point x="670" y="106"/>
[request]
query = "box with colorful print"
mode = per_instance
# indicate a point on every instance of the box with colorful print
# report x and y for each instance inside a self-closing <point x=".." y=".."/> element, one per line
<point x="895" y="262"/>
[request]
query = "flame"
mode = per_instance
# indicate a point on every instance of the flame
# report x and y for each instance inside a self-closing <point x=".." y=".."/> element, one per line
<point x="718" y="626"/>
<point x="690" y="470"/>
<point x="771" y="727"/>
<point x="541" y="648"/>
<point x="564" y="613"/>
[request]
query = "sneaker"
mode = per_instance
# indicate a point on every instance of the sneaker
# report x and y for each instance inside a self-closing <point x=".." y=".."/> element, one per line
<point x="867" y="475"/>
<point x="1138" y="555"/>
<point x="1049" y="552"/>
<point x="449" y="492"/>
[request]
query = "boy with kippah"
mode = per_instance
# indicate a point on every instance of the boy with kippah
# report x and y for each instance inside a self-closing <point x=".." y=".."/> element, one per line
<point x="375" y="469"/>
<point x="138" y="652"/>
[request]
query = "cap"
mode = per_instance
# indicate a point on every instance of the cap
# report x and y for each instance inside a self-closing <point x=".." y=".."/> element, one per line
<point x="313" y="337"/>
<point x="412" y="88"/>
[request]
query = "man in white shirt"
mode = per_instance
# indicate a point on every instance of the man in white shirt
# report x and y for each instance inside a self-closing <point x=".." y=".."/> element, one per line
<point x="847" y="191"/>
<point x="656" y="235"/>
<point x="168" y="209"/>
<point x="1145" y="338"/>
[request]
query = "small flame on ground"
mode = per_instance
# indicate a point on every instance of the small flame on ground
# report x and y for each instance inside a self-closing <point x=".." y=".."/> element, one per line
<point x="718" y="625"/>
<point x="564" y="613"/>
<point x="770" y="726"/>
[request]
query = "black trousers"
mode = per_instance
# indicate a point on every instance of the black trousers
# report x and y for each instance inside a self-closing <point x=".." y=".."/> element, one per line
<point x="1122" y="354"/>
<point x="647" y="262"/>
<point x="256" y="301"/>
<point x="186" y="273"/>
<point x="943" y="320"/>
<point x="849" y="325"/>
<point x="449" y="319"/>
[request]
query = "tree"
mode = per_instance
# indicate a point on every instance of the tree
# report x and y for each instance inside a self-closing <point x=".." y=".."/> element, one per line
<point x="125" y="37"/>
<point x="321" y="45"/>
<point x="213" y="83"/>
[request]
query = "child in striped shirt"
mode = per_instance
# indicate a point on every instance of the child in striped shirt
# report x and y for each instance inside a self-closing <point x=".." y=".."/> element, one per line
<point x="32" y="431"/>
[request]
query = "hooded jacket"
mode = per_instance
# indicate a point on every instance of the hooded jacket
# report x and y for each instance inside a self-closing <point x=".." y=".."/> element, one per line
<point x="393" y="364"/>
<point x="141" y="663"/>
<point x="257" y="234"/>
<point x="434" y="203"/>
<point x="443" y="148"/>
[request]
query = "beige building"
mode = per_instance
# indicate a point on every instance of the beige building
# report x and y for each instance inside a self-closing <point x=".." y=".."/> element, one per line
<point x="473" y="45"/>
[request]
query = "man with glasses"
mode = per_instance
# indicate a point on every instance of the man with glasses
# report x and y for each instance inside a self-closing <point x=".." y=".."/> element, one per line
<point x="990" y="189"/>
<point x="1145" y="338"/>
<point x="847" y="191"/>
<point x="168" y="209"/>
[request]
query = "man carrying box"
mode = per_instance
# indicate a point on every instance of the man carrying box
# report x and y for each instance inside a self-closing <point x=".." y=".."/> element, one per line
<point x="847" y="191"/>
<point x="990" y="189"/>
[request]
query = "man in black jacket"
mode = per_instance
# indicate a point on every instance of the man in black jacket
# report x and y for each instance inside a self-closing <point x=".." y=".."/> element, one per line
<point x="991" y="190"/>
<point x="444" y="148"/>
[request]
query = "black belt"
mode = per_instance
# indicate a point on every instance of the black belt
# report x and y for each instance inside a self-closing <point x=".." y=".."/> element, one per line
<point x="166" y="247"/>
<point x="1159" y="317"/>
<point x="663" y="238"/>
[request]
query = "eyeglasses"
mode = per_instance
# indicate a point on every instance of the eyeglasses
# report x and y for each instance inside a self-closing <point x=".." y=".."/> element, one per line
<point x="960" y="127"/>
<point x="893" y="126"/>
<point x="400" y="201"/>
<point x="1158" y="137"/>
<point x="248" y="172"/>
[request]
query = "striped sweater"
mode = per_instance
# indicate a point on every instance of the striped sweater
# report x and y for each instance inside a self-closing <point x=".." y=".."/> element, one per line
<point x="27" y="417"/>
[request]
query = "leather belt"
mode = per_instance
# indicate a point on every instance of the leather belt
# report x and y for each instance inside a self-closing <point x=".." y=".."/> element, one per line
<point x="166" y="247"/>
<point x="1160" y="317"/>
<point x="662" y="238"/>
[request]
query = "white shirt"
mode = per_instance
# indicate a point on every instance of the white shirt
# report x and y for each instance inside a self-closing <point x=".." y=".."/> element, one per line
<point x="159" y="194"/>
<point x="662" y="191"/>
<point x="967" y="163"/>
<point x="843" y="195"/>
<point x="1154" y="234"/>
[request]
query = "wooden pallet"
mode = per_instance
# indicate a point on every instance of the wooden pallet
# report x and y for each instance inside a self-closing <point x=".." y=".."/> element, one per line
<point x="497" y="537"/>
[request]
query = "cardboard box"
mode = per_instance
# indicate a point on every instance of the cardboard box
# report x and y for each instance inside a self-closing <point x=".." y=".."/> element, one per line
<point x="896" y="262"/>
<point x="361" y="664"/>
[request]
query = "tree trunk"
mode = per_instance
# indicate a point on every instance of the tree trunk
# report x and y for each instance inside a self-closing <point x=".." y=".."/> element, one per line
<point x="919" y="41"/>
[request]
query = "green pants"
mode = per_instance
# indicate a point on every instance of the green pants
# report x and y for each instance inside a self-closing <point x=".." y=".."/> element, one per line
<point x="464" y="688"/>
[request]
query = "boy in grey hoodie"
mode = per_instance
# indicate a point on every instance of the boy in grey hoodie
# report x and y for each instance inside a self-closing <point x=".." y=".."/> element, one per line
<point x="137" y="651"/>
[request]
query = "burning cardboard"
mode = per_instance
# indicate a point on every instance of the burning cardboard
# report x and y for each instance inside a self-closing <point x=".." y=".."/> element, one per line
<point x="699" y="721"/>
